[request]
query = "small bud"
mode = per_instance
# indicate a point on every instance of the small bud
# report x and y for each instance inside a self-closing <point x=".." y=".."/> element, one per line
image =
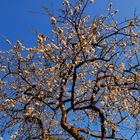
<point x="71" y="12"/>
<point x="110" y="5"/>
<point x="131" y="23"/>
<point x="8" y="42"/>
<point x="116" y="11"/>
<point x="91" y="1"/>
<point x="53" y="20"/>
<point x="77" y="8"/>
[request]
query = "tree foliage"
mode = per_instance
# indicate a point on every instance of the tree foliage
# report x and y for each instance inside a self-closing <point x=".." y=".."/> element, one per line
<point x="81" y="83"/>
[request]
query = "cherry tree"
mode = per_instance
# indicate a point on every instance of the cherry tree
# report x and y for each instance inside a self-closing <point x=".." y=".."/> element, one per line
<point x="81" y="83"/>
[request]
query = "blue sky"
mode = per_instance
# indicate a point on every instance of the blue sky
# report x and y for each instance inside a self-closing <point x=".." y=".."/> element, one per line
<point x="18" y="17"/>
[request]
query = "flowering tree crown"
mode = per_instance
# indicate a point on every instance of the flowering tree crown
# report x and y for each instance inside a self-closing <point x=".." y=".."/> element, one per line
<point x="85" y="83"/>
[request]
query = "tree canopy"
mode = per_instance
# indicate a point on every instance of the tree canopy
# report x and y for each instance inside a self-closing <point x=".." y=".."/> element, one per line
<point x="81" y="83"/>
